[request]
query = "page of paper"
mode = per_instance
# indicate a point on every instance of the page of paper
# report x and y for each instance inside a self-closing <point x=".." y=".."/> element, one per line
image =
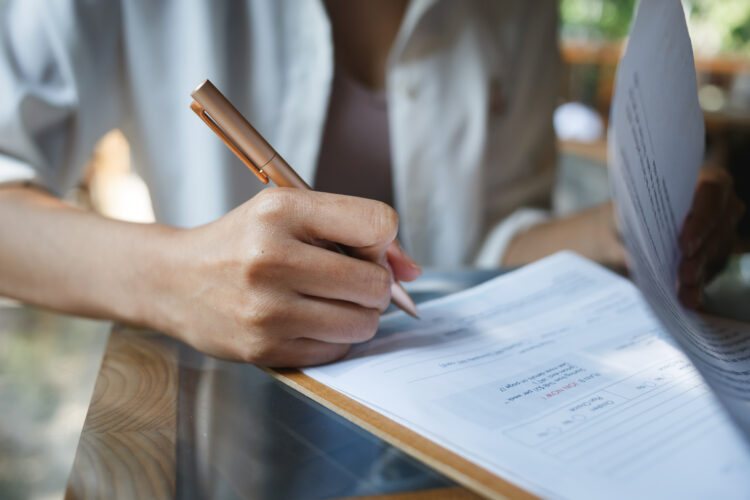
<point x="558" y="378"/>
<point x="656" y="148"/>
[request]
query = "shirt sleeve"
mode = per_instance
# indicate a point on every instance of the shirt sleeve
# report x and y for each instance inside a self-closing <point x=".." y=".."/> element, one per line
<point x="524" y="137"/>
<point x="59" y="78"/>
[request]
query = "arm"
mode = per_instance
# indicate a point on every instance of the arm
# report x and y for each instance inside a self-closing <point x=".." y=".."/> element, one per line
<point x="706" y="238"/>
<point x="73" y="261"/>
<point x="253" y="286"/>
<point x="591" y="233"/>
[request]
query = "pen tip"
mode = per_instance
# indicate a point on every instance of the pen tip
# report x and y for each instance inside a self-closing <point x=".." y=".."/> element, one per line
<point x="403" y="301"/>
<point x="410" y="309"/>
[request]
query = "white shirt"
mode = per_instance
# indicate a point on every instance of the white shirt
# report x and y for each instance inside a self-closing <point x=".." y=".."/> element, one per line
<point x="471" y="87"/>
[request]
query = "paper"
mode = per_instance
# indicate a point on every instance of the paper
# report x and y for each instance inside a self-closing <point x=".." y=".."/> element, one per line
<point x="556" y="377"/>
<point x="656" y="148"/>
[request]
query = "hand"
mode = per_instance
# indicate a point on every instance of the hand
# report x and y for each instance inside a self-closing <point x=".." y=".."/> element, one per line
<point x="590" y="232"/>
<point x="258" y="285"/>
<point x="708" y="233"/>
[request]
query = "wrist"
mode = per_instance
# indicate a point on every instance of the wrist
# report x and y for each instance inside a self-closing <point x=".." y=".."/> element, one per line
<point x="153" y="278"/>
<point x="529" y="245"/>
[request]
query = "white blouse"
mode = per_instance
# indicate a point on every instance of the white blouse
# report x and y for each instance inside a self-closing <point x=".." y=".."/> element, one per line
<point x="471" y="87"/>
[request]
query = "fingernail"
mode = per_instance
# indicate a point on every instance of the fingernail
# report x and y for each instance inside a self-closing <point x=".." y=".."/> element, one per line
<point x="408" y="258"/>
<point x="390" y="270"/>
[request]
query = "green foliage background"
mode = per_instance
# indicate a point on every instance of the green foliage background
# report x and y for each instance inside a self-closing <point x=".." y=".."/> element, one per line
<point x="715" y="25"/>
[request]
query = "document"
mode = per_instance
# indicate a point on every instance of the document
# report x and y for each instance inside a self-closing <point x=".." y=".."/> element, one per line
<point x="558" y="378"/>
<point x="656" y="149"/>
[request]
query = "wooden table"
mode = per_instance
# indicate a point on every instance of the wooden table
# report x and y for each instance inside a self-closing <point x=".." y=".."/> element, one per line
<point x="128" y="443"/>
<point x="130" y="440"/>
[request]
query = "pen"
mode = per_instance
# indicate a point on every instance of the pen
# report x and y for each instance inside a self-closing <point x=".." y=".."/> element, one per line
<point x="255" y="152"/>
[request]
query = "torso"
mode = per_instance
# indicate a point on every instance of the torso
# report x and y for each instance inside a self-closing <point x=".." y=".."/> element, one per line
<point x="363" y="33"/>
<point x="355" y="153"/>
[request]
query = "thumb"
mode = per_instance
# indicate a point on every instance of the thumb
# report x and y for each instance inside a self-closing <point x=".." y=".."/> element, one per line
<point x="403" y="266"/>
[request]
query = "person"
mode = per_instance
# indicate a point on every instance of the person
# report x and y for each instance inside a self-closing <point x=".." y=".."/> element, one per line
<point x="442" y="109"/>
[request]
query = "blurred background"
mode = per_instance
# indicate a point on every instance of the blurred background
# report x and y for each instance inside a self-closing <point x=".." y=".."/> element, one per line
<point x="48" y="363"/>
<point x="592" y="37"/>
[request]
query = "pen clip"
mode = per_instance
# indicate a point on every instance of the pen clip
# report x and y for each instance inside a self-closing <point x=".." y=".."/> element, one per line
<point x="203" y="115"/>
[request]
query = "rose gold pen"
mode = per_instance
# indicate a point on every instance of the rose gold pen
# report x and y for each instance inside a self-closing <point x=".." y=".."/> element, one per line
<point x="237" y="133"/>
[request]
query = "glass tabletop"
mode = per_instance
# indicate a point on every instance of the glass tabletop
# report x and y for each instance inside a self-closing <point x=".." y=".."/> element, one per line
<point x="243" y="434"/>
<point x="166" y="421"/>
<point x="48" y="365"/>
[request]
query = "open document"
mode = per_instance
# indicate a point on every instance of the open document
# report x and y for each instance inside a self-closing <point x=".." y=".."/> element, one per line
<point x="563" y="377"/>
<point x="556" y="377"/>
<point x="656" y="148"/>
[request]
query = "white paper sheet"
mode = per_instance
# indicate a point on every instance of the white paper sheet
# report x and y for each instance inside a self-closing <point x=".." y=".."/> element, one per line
<point x="656" y="149"/>
<point x="556" y="377"/>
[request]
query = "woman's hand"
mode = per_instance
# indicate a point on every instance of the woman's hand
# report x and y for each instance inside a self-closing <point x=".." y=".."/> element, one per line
<point x="258" y="285"/>
<point x="708" y="233"/>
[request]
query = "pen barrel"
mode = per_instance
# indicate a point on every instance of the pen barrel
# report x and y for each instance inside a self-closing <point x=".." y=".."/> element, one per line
<point x="282" y="174"/>
<point x="234" y="124"/>
<point x="256" y="153"/>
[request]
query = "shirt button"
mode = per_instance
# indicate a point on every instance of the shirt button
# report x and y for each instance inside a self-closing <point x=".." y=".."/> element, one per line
<point x="412" y="91"/>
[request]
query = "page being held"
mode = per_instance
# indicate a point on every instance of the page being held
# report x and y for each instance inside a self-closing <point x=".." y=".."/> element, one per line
<point x="708" y="233"/>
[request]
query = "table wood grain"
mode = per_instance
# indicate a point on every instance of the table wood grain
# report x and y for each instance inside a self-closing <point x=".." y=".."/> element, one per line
<point x="128" y="446"/>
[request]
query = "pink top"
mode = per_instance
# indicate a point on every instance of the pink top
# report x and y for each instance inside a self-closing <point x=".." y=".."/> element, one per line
<point x="355" y="153"/>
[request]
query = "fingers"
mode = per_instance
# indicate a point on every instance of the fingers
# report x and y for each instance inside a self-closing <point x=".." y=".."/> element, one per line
<point x="403" y="266"/>
<point x="310" y="331"/>
<point x="318" y="272"/>
<point x="335" y="322"/>
<point x="303" y="303"/>
<point x="304" y="352"/>
<point x="283" y="314"/>
<point x="702" y="265"/>
<point x="708" y="234"/>
<point x="711" y="197"/>
<point x="367" y="229"/>
<point x="724" y="237"/>
<point x="691" y="296"/>
<point x="364" y="225"/>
